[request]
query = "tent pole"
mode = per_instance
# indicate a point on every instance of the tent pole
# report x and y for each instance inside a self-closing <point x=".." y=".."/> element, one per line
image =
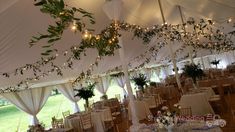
<point x="190" y="53"/>
<point x="233" y="55"/>
<point x="135" y="120"/>
<point x="189" y="47"/>
<point x="203" y="65"/>
<point x="228" y="60"/>
<point x="208" y="59"/>
<point x="171" y="50"/>
<point x="175" y="68"/>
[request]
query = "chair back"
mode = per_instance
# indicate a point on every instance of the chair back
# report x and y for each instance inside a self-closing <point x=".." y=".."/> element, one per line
<point x="66" y="113"/>
<point x="139" y="94"/>
<point x="158" y="99"/>
<point x="204" y="83"/>
<point x="98" y="105"/>
<point x="187" y="111"/>
<point x="86" y="122"/>
<point x="118" y="96"/>
<point x="57" y="123"/>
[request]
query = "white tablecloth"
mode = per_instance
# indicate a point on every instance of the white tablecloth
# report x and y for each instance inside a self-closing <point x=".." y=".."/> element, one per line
<point x="142" y="110"/>
<point x="209" y="92"/>
<point x="97" y="118"/>
<point x="186" y="127"/>
<point x="198" y="103"/>
<point x="150" y="101"/>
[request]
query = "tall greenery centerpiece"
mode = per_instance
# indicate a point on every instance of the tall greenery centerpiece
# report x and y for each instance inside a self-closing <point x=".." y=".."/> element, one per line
<point x="215" y="62"/>
<point x="194" y="71"/>
<point x="86" y="92"/>
<point x="140" y="81"/>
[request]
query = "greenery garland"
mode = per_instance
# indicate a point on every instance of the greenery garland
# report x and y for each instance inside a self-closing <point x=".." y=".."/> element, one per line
<point x="64" y="16"/>
<point x="107" y="41"/>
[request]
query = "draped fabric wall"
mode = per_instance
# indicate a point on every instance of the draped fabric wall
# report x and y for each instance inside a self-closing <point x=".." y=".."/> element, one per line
<point x="164" y="72"/>
<point x="30" y="101"/>
<point x="148" y="73"/>
<point x="157" y="71"/>
<point x="103" y="84"/>
<point x="67" y="90"/>
<point x="121" y="83"/>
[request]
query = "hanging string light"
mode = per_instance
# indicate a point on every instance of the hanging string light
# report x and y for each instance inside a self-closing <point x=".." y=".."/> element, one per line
<point x="74" y="26"/>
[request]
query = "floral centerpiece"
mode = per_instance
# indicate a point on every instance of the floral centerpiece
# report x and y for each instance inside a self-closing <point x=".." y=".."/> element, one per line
<point x="167" y="118"/>
<point x="193" y="71"/>
<point x="86" y="93"/>
<point x="215" y="62"/>
<point x="140" y="81"/>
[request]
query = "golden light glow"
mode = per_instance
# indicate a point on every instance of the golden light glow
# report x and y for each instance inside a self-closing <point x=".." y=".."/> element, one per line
<point x="97" y="37"/>
<point x="74" y="27"/>
<point x="86" y="34"/>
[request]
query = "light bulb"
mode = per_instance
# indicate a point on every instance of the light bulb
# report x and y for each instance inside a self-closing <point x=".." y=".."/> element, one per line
<point x="97" y="37"/>
<point x="74" y="27"/>
<point x="86" y="34"/>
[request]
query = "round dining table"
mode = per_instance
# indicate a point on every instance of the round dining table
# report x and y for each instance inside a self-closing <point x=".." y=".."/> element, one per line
<point x="198" y="102"/>
<point x="141" y="109"/>
<point x="97" y="117"/>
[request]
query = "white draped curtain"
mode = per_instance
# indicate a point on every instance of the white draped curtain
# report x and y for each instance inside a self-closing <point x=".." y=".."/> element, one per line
<point x="30" y="101"/>
<point x="157" y="73"/>
<point x="121" y="83"/>
<point x="102" y="84"/>
<point x="164" y="72"/>
<point x="67" y="90"/>
<point x="148" y="73"/>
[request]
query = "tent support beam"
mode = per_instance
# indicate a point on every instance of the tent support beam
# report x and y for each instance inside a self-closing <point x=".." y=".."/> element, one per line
<point x="135" y="120"/>
<point x="175" y="68"/>
<point x="190" y="50"/>
<point x="203" y="65"/>
<point x="171" y="50"/>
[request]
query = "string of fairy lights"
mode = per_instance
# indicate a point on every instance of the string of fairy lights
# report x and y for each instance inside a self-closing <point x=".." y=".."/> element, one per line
<point x="200" y="34"/>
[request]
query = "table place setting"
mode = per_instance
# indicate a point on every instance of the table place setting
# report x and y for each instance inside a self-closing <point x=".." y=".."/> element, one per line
<point x="169" y="120"/>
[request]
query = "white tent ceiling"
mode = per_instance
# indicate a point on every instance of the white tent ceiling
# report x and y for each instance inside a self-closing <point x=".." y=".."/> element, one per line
<point x="20" y="19"/>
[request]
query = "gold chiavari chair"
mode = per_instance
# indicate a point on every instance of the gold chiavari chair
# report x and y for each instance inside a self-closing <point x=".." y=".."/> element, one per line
<point x="98" y="105"/>
<point x="227" y="84"/>
<point x="66" y="113"/>
<point x="204" y="83"/>
<point x="233" y="113"/>
<point x="57" y="123"/>
<point x="109" y="124"/>
<point x="86" y="122"/>
<point x="139" y="94"/>
<point x="118" y="96"/>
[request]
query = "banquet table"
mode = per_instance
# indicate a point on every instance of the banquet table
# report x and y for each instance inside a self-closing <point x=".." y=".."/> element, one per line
<point x="141" y="108"/>
<point x="150" y="101"/>
<point x="97" y="117"/>
<point x="60" y="130"/>
<point x="198" y="102"/>
<point x="209" y="92"/>
<point x="186" y="127"/>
